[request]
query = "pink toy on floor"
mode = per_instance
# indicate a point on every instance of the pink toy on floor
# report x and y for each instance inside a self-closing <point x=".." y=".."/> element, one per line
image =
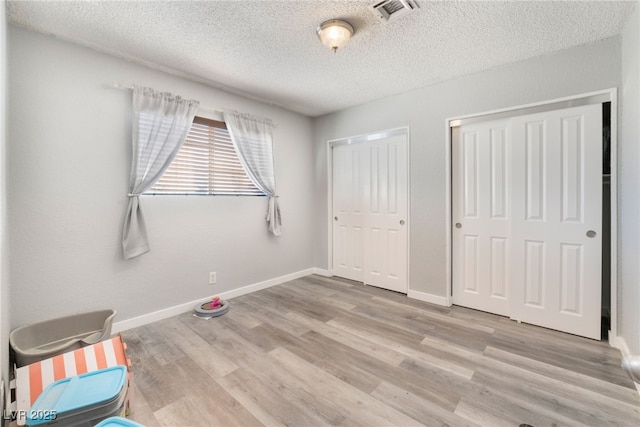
<point x="215" y="302"/>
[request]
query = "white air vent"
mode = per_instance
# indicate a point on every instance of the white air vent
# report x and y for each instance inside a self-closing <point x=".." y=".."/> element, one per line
<point x="390" y="10"/>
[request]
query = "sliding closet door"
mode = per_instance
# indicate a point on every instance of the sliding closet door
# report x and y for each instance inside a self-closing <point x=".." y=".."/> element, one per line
<point x="527" y="215"/>
<point x="481" y="216"/>
<point x="386" y="197"/>
<point x="557" y="210"/>
<point x="370" y="212"/>
<point x="348" y="215"/>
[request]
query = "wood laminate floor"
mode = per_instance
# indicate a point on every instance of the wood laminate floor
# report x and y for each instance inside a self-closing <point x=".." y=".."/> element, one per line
<point x="326" y="351"/>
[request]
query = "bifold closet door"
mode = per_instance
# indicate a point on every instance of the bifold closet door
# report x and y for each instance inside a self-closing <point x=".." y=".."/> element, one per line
<point x="527" y="215"/>
<point x="370" y="207"/>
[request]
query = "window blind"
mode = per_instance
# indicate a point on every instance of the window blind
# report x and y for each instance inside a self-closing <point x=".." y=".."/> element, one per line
<point x="206" y="164"/>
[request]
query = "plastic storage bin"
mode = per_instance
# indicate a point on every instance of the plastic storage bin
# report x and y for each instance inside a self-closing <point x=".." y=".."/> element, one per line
<point x="42" y="340"/>
<point x="81" y="400"/>
<point x="31" y="380"/>
<point x="118" y="422"/>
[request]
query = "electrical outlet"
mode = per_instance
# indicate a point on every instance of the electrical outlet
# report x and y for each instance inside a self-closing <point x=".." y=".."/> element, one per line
<point x="212" y="277"/>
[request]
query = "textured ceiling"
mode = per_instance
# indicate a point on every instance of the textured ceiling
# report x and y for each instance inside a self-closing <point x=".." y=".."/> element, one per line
<point x="268" y="50"/>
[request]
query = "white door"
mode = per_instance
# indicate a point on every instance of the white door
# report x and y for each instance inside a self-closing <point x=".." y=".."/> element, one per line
<point x="370" y="212"/>
<point x="557" y="247"/>
<point x="482" y="217"/>
<point x="528" y="203"/>
<point x="386" y="196"/>
<point x="348" y="218"/>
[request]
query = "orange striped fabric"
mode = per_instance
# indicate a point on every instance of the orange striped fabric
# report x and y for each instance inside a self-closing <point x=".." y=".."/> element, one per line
<point x="35" y="380"/>
<point x="101" y="358"/>
<point x="58" y="368"/>
<point x="81" y="361"/>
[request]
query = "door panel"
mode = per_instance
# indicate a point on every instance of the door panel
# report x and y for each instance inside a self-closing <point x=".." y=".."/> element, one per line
<point x="470" y="173"/>
<point x="534" y="273"/>
<point x="572" y="278"/>
<point x="499" y="175"/>
<point x="481" y="210"/>
<point x="535" y="165"/>
<point x="572" y="169"/>
<point x="347" y="213"/>
<point x="564" y="291"/>
<point x="386" y="237"/>
<point x="499" y="272"/>
<point x="471" y="268"/>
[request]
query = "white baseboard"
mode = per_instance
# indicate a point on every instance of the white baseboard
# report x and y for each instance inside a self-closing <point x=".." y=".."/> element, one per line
<point x="322" y="272"/>
<point x="621" y="344"/>
<point x="165" y="313"/>
<point x="433" y="299"/>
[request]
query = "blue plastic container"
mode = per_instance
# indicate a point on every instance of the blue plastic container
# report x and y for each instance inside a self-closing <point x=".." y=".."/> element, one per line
<point x="82" y="400"/>
<point x="118" y="422"/>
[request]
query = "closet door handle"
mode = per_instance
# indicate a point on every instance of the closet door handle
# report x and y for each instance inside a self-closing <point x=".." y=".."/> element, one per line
<point x="335" y="218"/>
<point x="402" y="222"/>
<point x="458" y="225"/>
<point x="591" y="234"/>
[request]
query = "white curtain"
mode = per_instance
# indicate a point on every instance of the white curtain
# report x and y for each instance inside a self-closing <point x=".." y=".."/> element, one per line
<point x="161" y="122"/>
<point x="253" y="141"/>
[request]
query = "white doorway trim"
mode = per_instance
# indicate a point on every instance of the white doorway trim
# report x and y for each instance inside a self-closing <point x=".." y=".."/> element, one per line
<point x="607" y="95"/>
<point x="363" y="138"/>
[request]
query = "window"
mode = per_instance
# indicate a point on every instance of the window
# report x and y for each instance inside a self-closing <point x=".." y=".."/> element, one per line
<point x="206" y="164"/>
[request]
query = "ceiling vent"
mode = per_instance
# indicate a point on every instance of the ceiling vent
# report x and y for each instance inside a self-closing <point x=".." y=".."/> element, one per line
<point x="390" y="10"/>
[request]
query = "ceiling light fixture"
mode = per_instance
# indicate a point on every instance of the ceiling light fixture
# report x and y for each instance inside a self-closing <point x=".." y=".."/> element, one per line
<point x="335" y="33"/>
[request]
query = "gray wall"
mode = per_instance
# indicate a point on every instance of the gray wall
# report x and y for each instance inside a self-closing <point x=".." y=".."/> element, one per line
<point x="573" y="71"/>
<point x="629" y="188"/>
<point x="4" y="247"/>
<point x="69" y="145"/>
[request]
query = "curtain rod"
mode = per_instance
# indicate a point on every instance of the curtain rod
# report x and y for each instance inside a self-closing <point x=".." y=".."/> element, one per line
<point x="119" y="85"/>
